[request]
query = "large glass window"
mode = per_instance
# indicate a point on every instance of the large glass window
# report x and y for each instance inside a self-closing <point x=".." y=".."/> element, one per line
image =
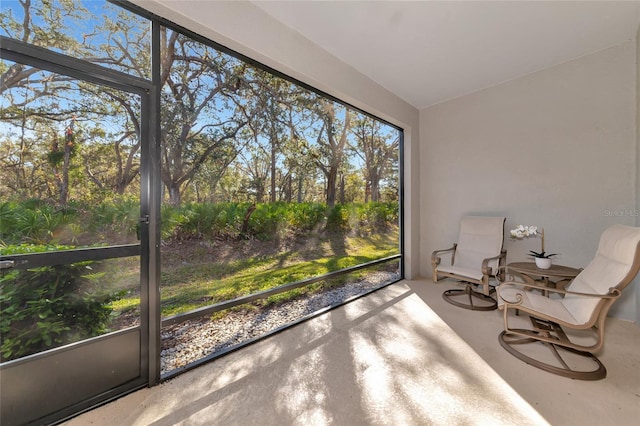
<point x="276" y="200"/>
<point x="265" y="183"/>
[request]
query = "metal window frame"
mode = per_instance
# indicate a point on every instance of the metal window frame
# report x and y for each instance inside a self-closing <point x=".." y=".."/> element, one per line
<point x="151" y="189"/>
<point x="47" y="60"/>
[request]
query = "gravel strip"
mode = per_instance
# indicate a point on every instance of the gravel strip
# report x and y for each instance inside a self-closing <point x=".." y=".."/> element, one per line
<point x="191" y="340"/>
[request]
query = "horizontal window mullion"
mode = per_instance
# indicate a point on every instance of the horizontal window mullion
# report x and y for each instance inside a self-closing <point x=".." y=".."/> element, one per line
<point x="49" y="60"/>
<point x="64" y="257"/>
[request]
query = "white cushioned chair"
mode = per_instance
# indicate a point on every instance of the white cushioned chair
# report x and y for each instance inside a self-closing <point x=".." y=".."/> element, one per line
<point x="476" y="256"/>
<point x="583" y="305"/>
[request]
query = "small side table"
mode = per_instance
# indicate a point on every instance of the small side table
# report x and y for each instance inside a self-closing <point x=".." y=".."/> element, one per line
<point x="558" y="276"/>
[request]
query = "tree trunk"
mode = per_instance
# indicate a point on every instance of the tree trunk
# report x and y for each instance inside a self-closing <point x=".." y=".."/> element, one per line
<point x="375" y="190"/>
<point x="175" y="197"/>
<point x="300" y="187"/>
<point x="272" y="197"/>
<point x="260" y="189"/>
<point x="331" y="186"/>
<point x="245" y="223"/>
<point x="197" y="189"/>
<point x="288" y="191"/>
<point x="367" y="191"/>
<point x="64" y="182"/>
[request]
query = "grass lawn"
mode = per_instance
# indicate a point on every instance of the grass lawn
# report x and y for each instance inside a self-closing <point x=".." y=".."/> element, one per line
<point x="197" y="273"/>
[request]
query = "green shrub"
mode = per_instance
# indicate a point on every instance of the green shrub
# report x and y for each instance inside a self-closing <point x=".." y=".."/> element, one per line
<point x="30" y="221"/>
<point x="338" y="218"/>
<point x="46" y="307"/>
<point x="379" y="215"/>
<point x="281" y="219"/>
<point x="199" y="220"/>
<point x="307" y="216"/>
<point x="269" y="221"/>
<point x="117" y="217"/>
<point x="228" y="221"/>
<point x="362" y="219"/>
<point x="117" y="220"/>
<point x="8" y="219"/>
<point x="172" y="220"/>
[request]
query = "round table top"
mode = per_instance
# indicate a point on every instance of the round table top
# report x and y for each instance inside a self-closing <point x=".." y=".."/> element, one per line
<point x="554" y="271"/>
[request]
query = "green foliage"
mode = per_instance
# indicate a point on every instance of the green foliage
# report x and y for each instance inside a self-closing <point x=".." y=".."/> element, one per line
<point x="541" y="255"/>
<point x="39" y="222"/>
<point x="225" y="220"/>
<point x="379" y="215"/>
<point x="271" y="221"/>
<point x="279" y="220"/>
<point x="307" y="216"/>
<point x="119" y="215"/>
<point x="50" y="306"/>
<point x="361" y="218"/>
<point x="30" y="221"/>
<point x="45" y="307"/>
<point x="55" y="157"/>
<point x="202" y="220"/>
<point x="338" y="218"/>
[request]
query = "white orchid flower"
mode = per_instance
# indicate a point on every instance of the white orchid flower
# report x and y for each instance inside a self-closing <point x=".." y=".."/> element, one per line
<point x="524" y="231"/>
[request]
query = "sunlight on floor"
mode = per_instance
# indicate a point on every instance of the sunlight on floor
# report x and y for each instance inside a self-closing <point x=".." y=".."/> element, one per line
<point x="384" y="359"/>
<point x="421" y="370"/>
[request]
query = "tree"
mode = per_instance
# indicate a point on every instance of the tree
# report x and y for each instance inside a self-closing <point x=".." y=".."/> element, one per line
<point x="214" y="106"/>
<point x="200" y="114"/>
<point x="377" y="148"/>
<point x="270" y="93"/>
<point x="276" y="106"/>
<point x="24" y="171"/>
<point x="328" y="152"/>
<point x="40" y="134"/>
<point x="60" y="160"/>
<point x="255" y="166"/>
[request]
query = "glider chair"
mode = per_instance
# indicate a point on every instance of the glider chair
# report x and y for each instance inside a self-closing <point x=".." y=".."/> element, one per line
<point x="476" y="256"/>
<point x="571" y="323"/>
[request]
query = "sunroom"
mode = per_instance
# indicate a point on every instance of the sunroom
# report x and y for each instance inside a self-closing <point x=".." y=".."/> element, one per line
<point x="292" y="158"/>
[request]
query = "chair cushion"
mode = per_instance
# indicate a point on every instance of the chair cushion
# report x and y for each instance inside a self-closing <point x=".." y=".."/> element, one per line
<point x="480" y="238"/>
<point x="550" y="307"/>
<point x="475" y="274"/>
<point x="612" y="263"/>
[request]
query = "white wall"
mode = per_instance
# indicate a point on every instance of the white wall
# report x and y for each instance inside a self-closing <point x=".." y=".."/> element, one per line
<point x="248" y="30"/>
<point x="556" y="149"/>
<point x="637" y="281"/>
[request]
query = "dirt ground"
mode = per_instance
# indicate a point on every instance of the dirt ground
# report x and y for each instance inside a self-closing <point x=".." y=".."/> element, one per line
<point x="176" y="253"/>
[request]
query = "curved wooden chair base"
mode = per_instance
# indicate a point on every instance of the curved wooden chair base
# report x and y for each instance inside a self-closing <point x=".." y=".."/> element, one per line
<point x="483" y="302"/>
<point x="509" y="343"/>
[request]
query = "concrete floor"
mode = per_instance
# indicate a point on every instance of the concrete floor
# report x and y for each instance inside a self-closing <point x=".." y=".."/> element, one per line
<point x="401" y="356"/>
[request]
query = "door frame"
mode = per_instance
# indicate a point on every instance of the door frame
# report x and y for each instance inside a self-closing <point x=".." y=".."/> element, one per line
<point x="148" y="333"/>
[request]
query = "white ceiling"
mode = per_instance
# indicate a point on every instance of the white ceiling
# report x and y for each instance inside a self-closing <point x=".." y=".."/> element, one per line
<point x="430" y="51"/>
